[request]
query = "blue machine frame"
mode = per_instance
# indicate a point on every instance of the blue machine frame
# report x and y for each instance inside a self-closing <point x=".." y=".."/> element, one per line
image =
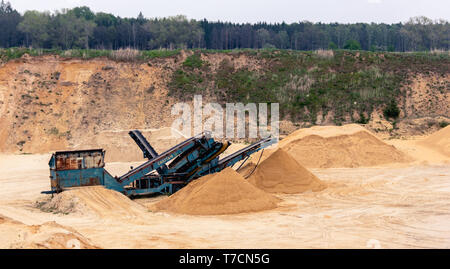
<point x="163" y="173"/>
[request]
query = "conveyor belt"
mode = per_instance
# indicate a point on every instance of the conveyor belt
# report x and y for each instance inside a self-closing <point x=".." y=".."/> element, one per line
<point x="159" y="160"/>
<point x="147" y="149"/>
<point x="240" y="154"/>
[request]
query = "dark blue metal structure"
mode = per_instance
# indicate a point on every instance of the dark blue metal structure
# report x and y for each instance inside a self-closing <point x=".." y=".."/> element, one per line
<point x="161" y="173"/>
<point x="76" y="168"/>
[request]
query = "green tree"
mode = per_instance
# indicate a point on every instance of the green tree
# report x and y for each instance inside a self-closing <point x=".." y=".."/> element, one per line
<point x="282" y="40"/>
<point x="332" y="45"/>
<point x="264" y="39"/>
<point x="9" y="19"/>
<point x="80" y="27"/>
<point x="69" y="31"/>
<point x="83" y="12"/>
<point x="352" y="45"/>
<point x="35" y="26"/>
<point x="174" y="32"/>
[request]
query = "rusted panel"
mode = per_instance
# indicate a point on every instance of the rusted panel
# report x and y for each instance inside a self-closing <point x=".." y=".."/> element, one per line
<point x="74" y="163"/>
<point x="90" y="181"/>
<point x="60" y="162"/>
<point x="73" y="160"/>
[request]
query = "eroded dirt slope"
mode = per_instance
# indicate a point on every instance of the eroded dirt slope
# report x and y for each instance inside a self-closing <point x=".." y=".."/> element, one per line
<point x="49" y="103"/>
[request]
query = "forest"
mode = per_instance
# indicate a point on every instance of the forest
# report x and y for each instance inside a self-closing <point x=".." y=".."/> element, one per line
<point x="81" y="28"/>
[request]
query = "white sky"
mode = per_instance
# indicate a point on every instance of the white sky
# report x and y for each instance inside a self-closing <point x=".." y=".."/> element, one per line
<point x="343" y="11"/>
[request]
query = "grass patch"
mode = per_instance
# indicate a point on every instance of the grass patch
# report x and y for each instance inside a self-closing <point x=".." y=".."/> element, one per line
<point x="193" y="61"/>
<point x="307" y="83"/>
<point x="128" y="54"/>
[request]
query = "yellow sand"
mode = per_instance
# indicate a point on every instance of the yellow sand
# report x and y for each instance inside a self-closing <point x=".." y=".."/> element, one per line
<point x="280" y="173"/>
<point x="226" y="192"/>
<point x="439" y="141"/>
<point x="340" y="146"/>
<point x="93" y="200"/>
<point x="51" y="235"/>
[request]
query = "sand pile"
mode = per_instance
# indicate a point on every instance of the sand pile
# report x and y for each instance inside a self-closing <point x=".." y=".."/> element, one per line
<point x="340" y="146"/>
<point x="439" y="141"/>
<point x="226" y="192"/>
<point x="280" y="173"/>
<point x="14" y="234"/>
<point x="63" y="203"/>
<point x="247" y="169"/>
<point x="95" y="200"/>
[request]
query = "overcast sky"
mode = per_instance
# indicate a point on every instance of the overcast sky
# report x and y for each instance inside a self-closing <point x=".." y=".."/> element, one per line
<point x="343" y="11"/>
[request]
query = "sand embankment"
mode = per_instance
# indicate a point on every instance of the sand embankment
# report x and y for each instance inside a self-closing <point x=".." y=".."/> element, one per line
<point x="340" y="146"/>
<point x="439" y="141"/>
<point x="49" y="235"/>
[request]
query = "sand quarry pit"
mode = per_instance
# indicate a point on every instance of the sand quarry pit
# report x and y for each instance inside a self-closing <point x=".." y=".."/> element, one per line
<point x="395" y="206"/>
<point x="280" y="173"/>
<point x="226" y="192"/>
<point x="340" y="146"/>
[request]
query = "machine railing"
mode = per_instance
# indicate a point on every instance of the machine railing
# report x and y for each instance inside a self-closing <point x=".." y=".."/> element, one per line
<point x="159" y="160"/>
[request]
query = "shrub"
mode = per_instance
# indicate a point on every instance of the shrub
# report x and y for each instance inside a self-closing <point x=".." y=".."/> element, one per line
<point x="53" y="131"/>
<point x="362" y="119"/>
<point x="391" y="110"/>
<point x="193" y="61"/>
<point x="352" y="45"/>
<point x="332" y="45"/>
<point x="444" y="124"/>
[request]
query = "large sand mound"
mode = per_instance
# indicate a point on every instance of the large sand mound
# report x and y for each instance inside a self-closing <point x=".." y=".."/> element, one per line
<point x="92" y="200"/>
<point x="226" y="192"/>
<point x="51" y="235"/>
<point x="439" y="141"/>
<point x="280" y="173"/>
<point x="340" y="146"/>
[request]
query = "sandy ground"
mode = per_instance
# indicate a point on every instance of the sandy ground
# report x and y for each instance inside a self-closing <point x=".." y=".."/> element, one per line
<point x="419" y="152"/>
<point x="394" y="206"/>
<point x="397" y="206"/>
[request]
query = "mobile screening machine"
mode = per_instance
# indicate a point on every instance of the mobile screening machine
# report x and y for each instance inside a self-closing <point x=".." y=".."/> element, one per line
<point x="161" y="173"/>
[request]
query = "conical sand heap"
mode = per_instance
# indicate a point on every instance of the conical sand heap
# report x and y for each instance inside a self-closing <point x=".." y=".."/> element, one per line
<point x="221" y="193"/>
<point x="439" y="141"/>
<point x="280" y="173"/>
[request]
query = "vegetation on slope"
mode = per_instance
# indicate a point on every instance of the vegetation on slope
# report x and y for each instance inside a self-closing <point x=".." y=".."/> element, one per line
<point x="118" y="55"/>
<point x="308" y="83"/>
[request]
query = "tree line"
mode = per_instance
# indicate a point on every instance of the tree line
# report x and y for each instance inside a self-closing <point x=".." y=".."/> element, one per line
<point x="81" y="28"/>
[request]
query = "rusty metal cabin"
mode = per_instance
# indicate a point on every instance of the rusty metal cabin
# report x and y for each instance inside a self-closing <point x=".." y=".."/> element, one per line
<point x="76" y="168"/>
